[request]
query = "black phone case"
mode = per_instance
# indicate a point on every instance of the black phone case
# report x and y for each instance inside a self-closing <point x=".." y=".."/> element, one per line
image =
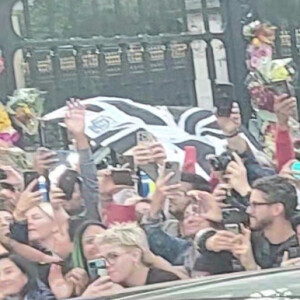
<point x="67" y="182"/>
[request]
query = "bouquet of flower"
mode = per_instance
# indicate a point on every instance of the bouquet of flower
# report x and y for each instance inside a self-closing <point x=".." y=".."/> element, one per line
<point x="25" y="108"/>
<point x="8" y="135"/>
<point x="265" y="73"/>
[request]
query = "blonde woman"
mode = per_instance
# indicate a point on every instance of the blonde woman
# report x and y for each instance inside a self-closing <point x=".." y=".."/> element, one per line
<point x="123" y="248"/>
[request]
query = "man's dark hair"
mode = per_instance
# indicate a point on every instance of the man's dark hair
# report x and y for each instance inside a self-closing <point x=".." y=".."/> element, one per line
<point x="145" y="200"/>
<point x="278" y="190"/>
<point x="197" y="182"/>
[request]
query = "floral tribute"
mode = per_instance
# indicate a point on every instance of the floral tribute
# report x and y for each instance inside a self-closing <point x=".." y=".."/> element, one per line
<point x="267" y="77"/>
<point x="25" y="108"/>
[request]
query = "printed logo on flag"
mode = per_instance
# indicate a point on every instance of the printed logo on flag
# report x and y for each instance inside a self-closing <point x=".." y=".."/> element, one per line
<point x="101" y="125"/>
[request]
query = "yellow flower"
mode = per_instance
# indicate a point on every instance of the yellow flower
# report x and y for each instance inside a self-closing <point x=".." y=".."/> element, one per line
<point x="27" y="110"/>
<point x="5" y="122"/>
<point x="256" y="42"/>
<point x="279" y="73"/>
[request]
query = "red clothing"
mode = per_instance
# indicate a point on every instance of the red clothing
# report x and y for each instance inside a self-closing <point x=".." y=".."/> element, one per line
<point x="213" y="181"/>
<point x="284" y="151"/>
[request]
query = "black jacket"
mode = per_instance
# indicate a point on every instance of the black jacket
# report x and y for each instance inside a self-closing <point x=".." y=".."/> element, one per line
<point x="265" y="257"/>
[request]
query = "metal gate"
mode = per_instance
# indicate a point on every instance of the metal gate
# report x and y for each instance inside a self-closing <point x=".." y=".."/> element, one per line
<point x="140" y="49"/>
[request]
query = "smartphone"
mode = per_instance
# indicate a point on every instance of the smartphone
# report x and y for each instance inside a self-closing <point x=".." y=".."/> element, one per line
<point x="231" y="216"/>
<point x="127" y="161"/>
<point x="295" y="168"/>
<point x="67" y="182"/>
<point x="151" y="170"/>
<point x="3" y="174"/>
<point x="173" y="167"/>
<point x="224" y="98"/>
<point x="234" y="228"/>
<point x="122" y="177"/>
<point x="190" y="159"/>
<point x="144" y="138"/>
<point x="97" y="268"/>
<point x="29" y="176"/>
<point x="279" y="88"/>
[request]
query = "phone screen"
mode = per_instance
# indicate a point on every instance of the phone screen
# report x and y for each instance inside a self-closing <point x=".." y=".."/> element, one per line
<point x="29" y="176"/>
<point x="127" y="161"/>
<point x="231" y="216"/>
<point x="122" y="177"/>
<point x="234" y="228"/>
<point x="173" y="167"/>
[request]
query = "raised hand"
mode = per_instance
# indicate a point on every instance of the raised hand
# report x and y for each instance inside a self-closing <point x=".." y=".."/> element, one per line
<point x="145" y="154"/>
<point x="210" y="208"/>
<point x="158" y="153"/>
<point x="57" y="197"/>
<point x="287" y="172"/>
<point x="284" y="106"/>
<point x="220" y="193"/>
<point x="221" y="241"/>
<point x="242" y="250"/>
<point x="75" y="118"/>
<point x="107" y="185"/>
<point x="13" y="177"/>
<point x="79" y="278"/>
<point x="103" y="286"/>
<point x="232" y="124"/>
<point x="27" y="200"/>
<point x="142" y="155"/>
<point x="164" y="190"/>
<point x="60" y="286"/>
<point x="286" y="262"/>
<point x="236" y="176"/>
<point x="43" y="160"/>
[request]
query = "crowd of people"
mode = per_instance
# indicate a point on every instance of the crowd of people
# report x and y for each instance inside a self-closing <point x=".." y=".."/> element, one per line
<point x="88" y="232"/>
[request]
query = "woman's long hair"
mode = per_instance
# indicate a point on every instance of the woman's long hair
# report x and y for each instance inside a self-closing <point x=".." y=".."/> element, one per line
<point x="79" y="261"/>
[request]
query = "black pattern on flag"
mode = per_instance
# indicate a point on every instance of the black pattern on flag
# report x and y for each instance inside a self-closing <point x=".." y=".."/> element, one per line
<point x="203" y="123"/>
<point x="114" y="123"/>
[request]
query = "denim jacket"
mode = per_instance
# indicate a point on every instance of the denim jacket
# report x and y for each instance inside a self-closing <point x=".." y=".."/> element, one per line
<point x="40" y="292"/>
<point x="171" y="248"/>
<point x="90" y="187"/>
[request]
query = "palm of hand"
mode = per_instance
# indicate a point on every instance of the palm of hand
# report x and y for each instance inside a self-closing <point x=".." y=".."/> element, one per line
<point x="231" y="124"/>
<point x="75" y="120"/>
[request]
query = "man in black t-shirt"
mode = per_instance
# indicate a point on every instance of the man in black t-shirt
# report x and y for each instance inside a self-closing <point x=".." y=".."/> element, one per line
<point x="272" y="204"/>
